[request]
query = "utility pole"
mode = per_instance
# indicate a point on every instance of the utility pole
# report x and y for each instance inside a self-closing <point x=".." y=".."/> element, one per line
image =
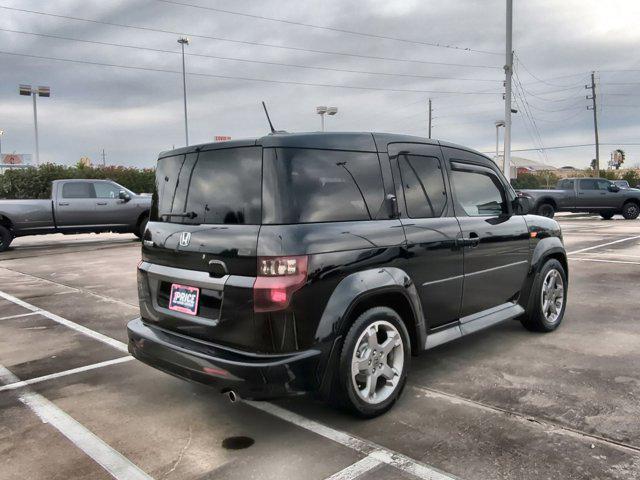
<point x="508" y="70"/>
<point x="430" y="117"/>
<point x="184" y="41"/>
<point x="595" y="118"/>
<point x="104" y="158"/>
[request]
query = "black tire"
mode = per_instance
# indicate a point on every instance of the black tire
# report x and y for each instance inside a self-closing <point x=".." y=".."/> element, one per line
<point x="344" y="392"/>
<point x="6" y="237"/>
<point x="546" y="210"/>
<point x="630" y="210"/>
<point x="606" y="215"/>
<point x="535" y="319"/>
<point x="142" y="226"/>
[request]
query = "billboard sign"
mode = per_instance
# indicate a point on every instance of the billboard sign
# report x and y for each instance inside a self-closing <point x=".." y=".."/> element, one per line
<point x="15" y="159"/>
<point x="221" y="138"/>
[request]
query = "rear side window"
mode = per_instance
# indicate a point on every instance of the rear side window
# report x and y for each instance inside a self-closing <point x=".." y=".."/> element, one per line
<point x="565" y="185"/>
<point x="478" y="194"/>
<point x="78" y="190"/>
<point x="423" y="186"/>
<point x="212" y="187"/>
<point x="588" y="184"/>
<point x="307" y="185"/>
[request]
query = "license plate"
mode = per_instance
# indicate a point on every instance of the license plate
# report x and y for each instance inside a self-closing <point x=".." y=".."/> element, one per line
<point x="184" y="299"/>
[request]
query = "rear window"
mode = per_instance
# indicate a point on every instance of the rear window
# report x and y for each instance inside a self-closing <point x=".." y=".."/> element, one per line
<point x="308" y="185"/>
<point x="78" y="190"/>
<point x="212" y="187"/>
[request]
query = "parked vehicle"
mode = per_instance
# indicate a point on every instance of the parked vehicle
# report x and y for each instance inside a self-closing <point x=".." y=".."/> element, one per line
<point x="322" y="262"/>
<point x="591" y="195"/>
<point x="76" y="206"/>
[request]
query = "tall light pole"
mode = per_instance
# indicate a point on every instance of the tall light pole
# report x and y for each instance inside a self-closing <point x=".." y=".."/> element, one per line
<point x="184" y="41"/>
<point x="499" y="123"/>
<point x="508" y="70"/>
<point x="430" y="117"/>
<point x="322" y="110"/>
<point x="41" y="91"/>
<point x="1" y="134"/>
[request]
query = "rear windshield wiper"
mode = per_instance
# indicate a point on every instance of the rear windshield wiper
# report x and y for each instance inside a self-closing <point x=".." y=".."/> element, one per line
<point x="182" y="215"/>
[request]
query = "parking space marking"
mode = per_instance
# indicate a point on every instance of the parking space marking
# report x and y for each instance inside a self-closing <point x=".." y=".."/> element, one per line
<point x="366" y="447"/>
<point x="20" y="315"/>
<point x="357" y="469"/>
<point x="583" y="259"/>
<point x="551" y="426"/>
<point x="93" y="366"/>
<point x="111" y="460"/>
<point x="67" y="323"/>
<point x="603" y="245"/>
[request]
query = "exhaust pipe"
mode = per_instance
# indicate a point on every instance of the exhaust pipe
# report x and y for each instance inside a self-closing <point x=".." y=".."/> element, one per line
<point x="232" y="396"/>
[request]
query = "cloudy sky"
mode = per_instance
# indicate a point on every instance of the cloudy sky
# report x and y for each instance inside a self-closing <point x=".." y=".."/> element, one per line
<point x="379" y="84"/>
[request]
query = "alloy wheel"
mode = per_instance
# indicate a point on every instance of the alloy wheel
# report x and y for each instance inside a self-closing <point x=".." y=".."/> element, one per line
<point x="552" y="296"/>
<point x="377" y="362"/>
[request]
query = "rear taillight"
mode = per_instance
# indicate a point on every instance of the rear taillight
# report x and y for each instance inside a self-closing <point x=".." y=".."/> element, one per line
<point x="278" y="278"/>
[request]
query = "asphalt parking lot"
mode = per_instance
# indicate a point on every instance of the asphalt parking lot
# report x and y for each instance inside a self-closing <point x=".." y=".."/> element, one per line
<point x="503" y="404"/>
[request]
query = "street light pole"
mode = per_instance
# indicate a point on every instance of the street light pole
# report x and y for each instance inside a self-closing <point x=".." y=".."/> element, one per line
<point x="184" y="41"/>
<point x="508" y="69"/>
<point x="322" y="110"/>
<point x="41" y="91"/>
<point x="1" y="134"/>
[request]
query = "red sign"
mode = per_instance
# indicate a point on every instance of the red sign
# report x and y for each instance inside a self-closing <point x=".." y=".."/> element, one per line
<point x="12" y="159"/>
<point x="221" y="138"/>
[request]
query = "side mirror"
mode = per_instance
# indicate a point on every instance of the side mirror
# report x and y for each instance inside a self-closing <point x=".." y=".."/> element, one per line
<point x="614" y="188"/>
<point x="522" y="205"/>
<point x="124" y="196"/>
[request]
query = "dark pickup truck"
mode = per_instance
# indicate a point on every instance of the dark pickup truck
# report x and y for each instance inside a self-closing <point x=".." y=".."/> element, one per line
<point x="592" y="195"/>
<point x="76" y="206"/>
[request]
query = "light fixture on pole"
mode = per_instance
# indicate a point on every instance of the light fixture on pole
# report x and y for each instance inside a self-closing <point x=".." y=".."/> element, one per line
<point x="322" y="110"/>
<point x="499" y="123"/>
<point x="41" y="91"/>
<point x="184" y="41"/>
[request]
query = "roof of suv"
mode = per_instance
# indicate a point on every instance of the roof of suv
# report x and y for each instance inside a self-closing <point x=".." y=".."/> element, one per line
<point x="360" y="141"/>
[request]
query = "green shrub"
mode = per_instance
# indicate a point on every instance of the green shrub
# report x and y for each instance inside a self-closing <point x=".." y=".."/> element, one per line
<point x="35" y="182"/>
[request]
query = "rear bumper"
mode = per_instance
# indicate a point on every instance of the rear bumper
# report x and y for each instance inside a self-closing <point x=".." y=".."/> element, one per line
<point x="250" y="375"/>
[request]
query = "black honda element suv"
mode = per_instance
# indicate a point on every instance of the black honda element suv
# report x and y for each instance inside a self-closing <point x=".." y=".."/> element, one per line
<point x="321" y="262"/>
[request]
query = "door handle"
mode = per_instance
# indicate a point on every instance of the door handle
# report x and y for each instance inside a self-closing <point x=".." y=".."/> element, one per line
<point x="63" y="204"/>
<point x="472" y="241"/>
<point x="101" y="203"/>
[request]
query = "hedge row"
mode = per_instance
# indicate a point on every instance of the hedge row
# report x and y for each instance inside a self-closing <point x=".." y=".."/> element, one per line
<point x="35" y="182"/>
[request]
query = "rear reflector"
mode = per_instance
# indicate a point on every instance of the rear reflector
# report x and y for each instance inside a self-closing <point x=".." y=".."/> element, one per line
<point x="278" y="278"/>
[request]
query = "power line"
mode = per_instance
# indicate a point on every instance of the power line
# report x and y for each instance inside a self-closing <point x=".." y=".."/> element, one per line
<point x="235" y="59"/>
<point x="244" y="42"/>
<point x="540" y="79"/>
<point x="250" y="79"/>
<point x="324" y="27"/>
<point x="557" y="147"/>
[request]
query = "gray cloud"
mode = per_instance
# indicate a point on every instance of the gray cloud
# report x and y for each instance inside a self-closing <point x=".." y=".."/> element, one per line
<point x="134" y="114"/>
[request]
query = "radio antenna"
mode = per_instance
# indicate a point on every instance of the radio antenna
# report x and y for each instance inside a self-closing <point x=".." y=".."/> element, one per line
<point x="266" y="112"/>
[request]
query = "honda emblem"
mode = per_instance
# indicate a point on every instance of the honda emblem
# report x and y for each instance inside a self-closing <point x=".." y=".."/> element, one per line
<point x="185" y="238"/>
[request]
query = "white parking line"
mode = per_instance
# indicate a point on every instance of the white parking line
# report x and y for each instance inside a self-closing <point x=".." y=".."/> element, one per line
<point x="355" y="470"/>
<point x="20" y="315"/>
<point x="583" y="259"/>
<point x="604" y="245"/>
<point x="31" y="381"/>
<point x="67" y="323"/>
<point x="378" y="452"/>
<point x="111" y="460"/>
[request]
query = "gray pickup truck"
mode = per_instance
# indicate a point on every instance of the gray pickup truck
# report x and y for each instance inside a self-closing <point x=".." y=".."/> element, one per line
<point x="76" y="206"/>
<point x="592" y="195"/>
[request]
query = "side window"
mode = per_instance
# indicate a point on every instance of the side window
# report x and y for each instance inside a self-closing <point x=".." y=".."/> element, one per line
<point x="588" y="184"/>
<point x="78" y="190"/>
<point x="423" y="186"/>
<point x="603" y="185"/>
<point x="106" y="190"/>
<point x="309" y="185"/>
<point x="478" y="194"/>
<point x="566" y="185"/>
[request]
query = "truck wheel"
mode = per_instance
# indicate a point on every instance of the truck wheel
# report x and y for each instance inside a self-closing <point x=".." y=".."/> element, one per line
<point x="630" y="210"/>
<point x="548" y="298"/>
<point x="546" y="210"/>
<point x="142" y="226"/>
<point x="6" y="237"/>
<point x="374" y="362"/>
<point x="606" y="215"/>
